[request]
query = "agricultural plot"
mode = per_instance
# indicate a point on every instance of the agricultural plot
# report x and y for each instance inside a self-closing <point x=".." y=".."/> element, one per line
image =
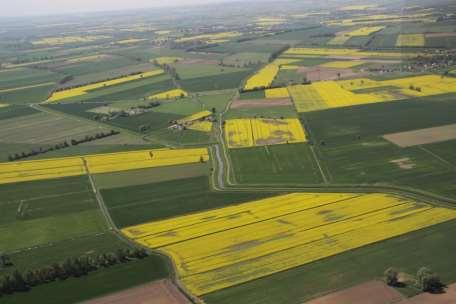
<point x="356" y="53"/>
<point x="171" y="94"/>
<point x="277" y="93"/>
<point x="343" y="37"/>
<point x="243" y="133"/>
<point x="102" y="163"/>
<point x="256" y="239"/>
<point x="34" y="129"/>
<point x="348" y="269"/>
<point x="150" y="175"/>
<point x="277" y="164"/>
<point x="133" y="205"/>
<point x="53" y="41"/>
<point x="423" y="136"/>
<point x="41" y="212"/>
<point x="69" y="93"/>
<point x="333" y="94"/>
<point x="342" y="64"/>
<point x="410" y="40"/>
<point x="263" y="78"/>
<point x="245" y="59"/>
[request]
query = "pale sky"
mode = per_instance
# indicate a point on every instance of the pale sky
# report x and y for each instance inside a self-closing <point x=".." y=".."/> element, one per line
<point x="40" y="7"/>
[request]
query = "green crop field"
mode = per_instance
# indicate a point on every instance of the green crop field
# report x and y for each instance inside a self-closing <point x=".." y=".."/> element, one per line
<point x="51" y="211"/>
<point x="278" y="164"/>
<point x="138" y="204"/>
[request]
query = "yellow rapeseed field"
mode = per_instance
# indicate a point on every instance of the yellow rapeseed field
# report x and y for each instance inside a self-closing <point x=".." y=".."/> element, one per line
<point x="202" y="126"/>
<point x="342" y="64"/>
<point x="194" y="117"/>
<point x="130" y="41"/>
<point x="68" y="40"/>
<point x="244" y="133"/>
<point x="410" y="40"/>
<point x="220" y="248"/>
<point x="334" y="94"/>
<point x="144" y="159"/>
<point x="208" y="37"/>
<point x="277" y="93"/>
<point x="263" y="78"/>
<point x="79" y="91"/>
<point x="15" y="172"/>
<point x="171" y="94"/>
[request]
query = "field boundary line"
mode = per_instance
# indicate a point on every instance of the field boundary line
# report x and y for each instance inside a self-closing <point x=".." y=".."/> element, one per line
<point x="437" y="156"/>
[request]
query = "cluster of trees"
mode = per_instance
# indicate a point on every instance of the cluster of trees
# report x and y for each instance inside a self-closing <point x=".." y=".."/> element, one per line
<point x="71" y="267"/>
<point x="62" y="145"/>
<point x="171" y="71"/>
<point x="426" y="279"/>
<point x="412" y="87"/>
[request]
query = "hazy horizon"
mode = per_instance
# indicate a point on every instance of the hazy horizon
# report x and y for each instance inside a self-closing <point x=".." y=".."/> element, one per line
<point x="52" y="7"/>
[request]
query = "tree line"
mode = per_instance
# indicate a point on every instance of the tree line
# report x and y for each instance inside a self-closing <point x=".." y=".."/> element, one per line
<point x="77" y="267"/>
<point x="62" y="145"/>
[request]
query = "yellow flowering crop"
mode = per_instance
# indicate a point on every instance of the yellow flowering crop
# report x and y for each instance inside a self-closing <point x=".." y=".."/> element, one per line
<point x="202" y="126"/>
<point x="217" y="36"/>
<point x="144" y="159"/>
<point x="220" y="248"/>
<point x="171" y="94"/>
<point x="194" y="117"/>
<point x="277" y="93"/>
<point x="130" y="41"/>
<point x="243" y="133"/>
<point x="334" y="94"/>
<point x="68" y="40"/>
<point x="263" y="78"/>
<point x="79" y="91"/>
<point x="412" y="40"/>
<point x="342" y="64"/>
<point x="72" y="166"/>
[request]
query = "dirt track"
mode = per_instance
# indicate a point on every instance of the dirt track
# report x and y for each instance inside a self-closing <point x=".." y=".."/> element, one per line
<point x="373" y="292"/>
<point x="159" y="292"/>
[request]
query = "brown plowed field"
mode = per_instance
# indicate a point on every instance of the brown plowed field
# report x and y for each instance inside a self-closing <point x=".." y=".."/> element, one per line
<point x="449" y="297"/>
<point x="159" y="292"/>
<point x="321" y="73"/>
<point x="373" y="292"/>
<point x="422" y="136"/>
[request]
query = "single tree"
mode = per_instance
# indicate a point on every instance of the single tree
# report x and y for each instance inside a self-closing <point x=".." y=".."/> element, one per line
<point x="391" y="276"/>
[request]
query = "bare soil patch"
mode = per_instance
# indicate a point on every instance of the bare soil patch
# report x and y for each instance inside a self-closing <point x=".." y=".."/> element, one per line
<point x="373" y="292"/>
<point x="159" y="292"/>
<point x="321" y="73"/>
<point x="404" y="163"/>
<point x="422" y="136"/>
<point x="260" y="103"/>
<point x="448" y="297"/>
